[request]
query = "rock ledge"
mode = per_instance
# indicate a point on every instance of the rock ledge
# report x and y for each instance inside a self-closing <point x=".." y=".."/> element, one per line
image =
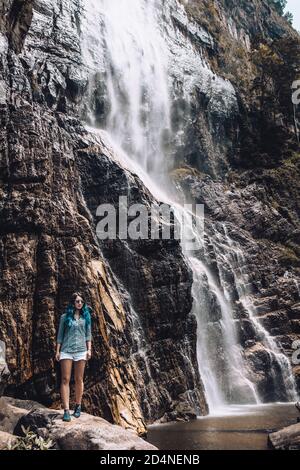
<point x="86" y="433"/>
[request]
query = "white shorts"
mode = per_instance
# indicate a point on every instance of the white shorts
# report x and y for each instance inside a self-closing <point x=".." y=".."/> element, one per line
<point x="80" y="356"/>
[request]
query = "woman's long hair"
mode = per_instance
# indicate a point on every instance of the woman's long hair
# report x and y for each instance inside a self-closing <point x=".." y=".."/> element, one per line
<point x="85" y="310"/>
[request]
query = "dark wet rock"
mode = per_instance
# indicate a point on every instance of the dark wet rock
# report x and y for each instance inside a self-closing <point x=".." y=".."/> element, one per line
<point x="36" y="419"/>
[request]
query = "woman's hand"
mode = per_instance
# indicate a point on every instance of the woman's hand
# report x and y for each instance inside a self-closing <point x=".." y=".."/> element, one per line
<point x="57" y="356"/>
<point x="88" y="355"/>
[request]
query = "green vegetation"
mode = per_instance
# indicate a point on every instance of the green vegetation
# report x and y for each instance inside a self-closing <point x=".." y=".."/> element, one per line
<point x="294" y="159"/>
<point x="287" y="256"/>
<point x="186" y="170"/>
<point x="279" y="5"/>
<point x="31" y="441"/>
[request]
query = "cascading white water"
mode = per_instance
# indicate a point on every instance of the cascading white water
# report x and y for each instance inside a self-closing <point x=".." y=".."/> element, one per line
<point x="127" y="49"/>
<point x="231" y="254"/>
<point x="135" y="76"/>
<point x="220" y="374"/>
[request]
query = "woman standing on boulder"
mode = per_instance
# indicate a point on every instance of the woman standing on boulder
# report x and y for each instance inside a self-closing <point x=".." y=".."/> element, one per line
<point x="73" y="344"/>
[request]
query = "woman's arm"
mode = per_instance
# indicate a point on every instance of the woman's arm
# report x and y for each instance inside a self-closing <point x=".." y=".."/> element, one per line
<point x="88" y="339"/>
<point x="60" y="336"/>
<point x="89" y="349"/>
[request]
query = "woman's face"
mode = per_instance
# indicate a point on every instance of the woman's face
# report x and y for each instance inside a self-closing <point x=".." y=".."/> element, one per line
<point x="78" y="302"/>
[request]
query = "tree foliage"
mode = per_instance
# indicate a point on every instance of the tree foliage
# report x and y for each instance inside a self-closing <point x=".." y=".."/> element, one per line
<point x="279" y="6"/>
<point x="289" y="17"/>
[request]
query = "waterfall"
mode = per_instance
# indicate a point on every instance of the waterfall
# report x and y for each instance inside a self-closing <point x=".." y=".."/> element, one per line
<point x="231" y="254"/>
<point x="219" y="353"/>
<point x="136" y="56"/>
<point x="135" y="80"/>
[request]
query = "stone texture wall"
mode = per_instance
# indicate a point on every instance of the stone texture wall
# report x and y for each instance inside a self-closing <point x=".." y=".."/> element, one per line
<point x="53" y="175"/>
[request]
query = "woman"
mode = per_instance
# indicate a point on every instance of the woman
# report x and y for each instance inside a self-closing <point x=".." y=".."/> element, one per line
<point x="74" y="341"/>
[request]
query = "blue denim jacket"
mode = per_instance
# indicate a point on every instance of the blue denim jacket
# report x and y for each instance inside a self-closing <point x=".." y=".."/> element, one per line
<point x="73" y="338"/>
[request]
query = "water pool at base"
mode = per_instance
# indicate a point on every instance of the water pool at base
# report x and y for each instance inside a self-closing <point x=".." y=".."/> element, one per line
<point x="232" y="428"/>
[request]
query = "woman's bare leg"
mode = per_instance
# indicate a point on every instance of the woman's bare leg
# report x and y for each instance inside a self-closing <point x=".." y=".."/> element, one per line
<point x="66" y="369"/>
<point x="78" y="373"/>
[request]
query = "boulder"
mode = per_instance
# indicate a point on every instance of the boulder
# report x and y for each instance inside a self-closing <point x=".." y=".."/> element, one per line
<point x="12" y="410"/>
<point x="85" y="433"/>
<point x="94" y="433"/>
<point x="286" y="439"/>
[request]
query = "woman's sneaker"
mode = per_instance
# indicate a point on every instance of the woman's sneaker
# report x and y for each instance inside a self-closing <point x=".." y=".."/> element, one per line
<point x="77" y="411"/>
<point x="66" y="416"/>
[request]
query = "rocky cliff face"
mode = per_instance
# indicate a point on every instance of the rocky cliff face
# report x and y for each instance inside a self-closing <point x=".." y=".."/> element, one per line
<point x="54" y="174"/>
